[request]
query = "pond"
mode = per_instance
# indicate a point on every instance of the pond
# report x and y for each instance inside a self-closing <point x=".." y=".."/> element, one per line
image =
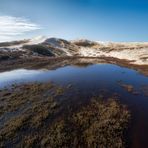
<point x="92" y="80"/>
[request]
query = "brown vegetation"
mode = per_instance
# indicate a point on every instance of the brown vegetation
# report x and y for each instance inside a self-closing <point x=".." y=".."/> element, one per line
<point x="32" y="116"/>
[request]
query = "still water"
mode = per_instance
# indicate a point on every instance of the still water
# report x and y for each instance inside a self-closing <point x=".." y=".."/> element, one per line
<point x="91" y="81"/>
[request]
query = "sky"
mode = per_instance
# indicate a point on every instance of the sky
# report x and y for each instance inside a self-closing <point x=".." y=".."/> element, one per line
<point x="101" y="20"/>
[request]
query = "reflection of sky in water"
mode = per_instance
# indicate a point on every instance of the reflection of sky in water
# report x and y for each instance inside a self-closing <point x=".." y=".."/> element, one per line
<point x="105" y="75"/>
<point x="16" y="76"/>
<point x="89" y="81"/>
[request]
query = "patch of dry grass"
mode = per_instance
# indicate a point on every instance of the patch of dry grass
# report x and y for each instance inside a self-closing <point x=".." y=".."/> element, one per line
<point x="36" y="119"/>
<point x="100" y="124"/>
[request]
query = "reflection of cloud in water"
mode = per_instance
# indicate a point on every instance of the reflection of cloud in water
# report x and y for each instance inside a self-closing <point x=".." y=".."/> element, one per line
<point x="83" y="74"/>
<point x="18" y="75"/>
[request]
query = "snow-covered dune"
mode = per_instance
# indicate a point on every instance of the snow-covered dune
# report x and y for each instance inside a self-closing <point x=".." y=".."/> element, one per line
<point x="134" y="52"/>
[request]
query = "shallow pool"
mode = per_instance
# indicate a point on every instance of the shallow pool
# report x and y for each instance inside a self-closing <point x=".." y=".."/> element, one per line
<point x="94" y="80"/>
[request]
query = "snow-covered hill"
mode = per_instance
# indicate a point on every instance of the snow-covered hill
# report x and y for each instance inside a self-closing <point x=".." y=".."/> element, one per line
<point x="135" y="52"/>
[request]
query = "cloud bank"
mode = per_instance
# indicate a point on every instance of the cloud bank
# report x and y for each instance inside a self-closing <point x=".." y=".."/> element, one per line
<point x="11" y="27"/>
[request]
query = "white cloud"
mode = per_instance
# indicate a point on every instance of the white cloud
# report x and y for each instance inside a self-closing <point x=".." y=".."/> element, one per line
<point x="11" y="27"/>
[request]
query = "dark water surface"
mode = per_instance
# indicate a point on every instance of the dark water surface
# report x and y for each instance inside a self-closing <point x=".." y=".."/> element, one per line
<point x="91" y="81"/>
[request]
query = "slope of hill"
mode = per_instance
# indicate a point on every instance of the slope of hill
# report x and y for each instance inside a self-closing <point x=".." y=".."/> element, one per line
<point x="135" y="53"/>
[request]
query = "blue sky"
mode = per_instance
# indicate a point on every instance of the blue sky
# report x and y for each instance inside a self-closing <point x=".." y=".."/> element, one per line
<point x="104" y="20"/>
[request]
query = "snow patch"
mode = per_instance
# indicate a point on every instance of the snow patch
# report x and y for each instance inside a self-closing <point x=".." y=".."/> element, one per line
<point x="37" y="40"/>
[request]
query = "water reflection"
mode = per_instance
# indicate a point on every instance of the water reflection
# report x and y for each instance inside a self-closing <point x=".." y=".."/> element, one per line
<point x="91" y="80"/>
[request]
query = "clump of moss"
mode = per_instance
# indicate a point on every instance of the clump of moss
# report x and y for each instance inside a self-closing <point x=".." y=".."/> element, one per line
<point x="13" y="126"/>
<point x="31" y="121"/>
<point x="28" y="94"/>
<point x="27" y="108"/>
<point x="99" y="124"/>
<point x="35" y="118"/>
<point x="42" y="112"/>
<point x="127" y="87"/>
<point x="107" y="124"/>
